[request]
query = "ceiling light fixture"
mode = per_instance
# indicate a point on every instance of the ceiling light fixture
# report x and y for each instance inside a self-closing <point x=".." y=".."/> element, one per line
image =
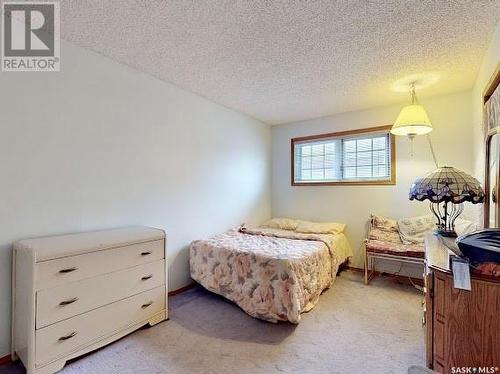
<point x="412" y="121"/>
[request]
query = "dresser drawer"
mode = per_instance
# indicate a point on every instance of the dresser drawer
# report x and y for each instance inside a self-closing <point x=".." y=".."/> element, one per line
<point x="60" y="271"/>
<point x="68" y="336"/>
<point x="68" y="300"/>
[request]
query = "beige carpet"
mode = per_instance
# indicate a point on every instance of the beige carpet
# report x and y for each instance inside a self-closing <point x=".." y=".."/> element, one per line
<point x="353" y="329"/>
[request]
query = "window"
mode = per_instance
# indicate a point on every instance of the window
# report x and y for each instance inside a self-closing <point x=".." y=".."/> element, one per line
<point x="351" y="157"/>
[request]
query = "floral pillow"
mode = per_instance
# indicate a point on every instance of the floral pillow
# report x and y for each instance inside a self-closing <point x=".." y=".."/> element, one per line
<point x="383" y="223"/>
<point x="412" y="230"/>
<point x="384" y="236"/>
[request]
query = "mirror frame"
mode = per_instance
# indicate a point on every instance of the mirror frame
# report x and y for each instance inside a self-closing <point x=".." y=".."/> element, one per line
<point x="487" y="178"/>
<point x="490" y="89"/>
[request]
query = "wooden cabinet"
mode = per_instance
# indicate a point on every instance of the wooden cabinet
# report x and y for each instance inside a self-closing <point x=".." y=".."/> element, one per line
<point x="75" y="293"/>
<point x="462" y="328"/>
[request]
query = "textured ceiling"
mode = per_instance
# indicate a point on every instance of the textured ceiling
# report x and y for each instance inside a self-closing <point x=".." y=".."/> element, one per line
<point x="282" y="61"/>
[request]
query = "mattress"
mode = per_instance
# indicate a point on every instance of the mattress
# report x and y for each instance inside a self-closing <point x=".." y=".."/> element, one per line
<point x="274" y="275"/>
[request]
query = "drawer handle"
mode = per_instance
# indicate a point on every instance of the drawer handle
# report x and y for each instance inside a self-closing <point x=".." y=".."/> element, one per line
<point x="66" y="337"/>
<point x="68" y="270"/>
<point x="146" y="305"/>
<point x="146" y="253"/>
<point x="69" y="301"/>
<point x="146" y="277"/>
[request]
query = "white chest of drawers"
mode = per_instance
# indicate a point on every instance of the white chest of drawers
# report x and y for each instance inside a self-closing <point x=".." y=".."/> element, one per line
<point x="75" y="293"/>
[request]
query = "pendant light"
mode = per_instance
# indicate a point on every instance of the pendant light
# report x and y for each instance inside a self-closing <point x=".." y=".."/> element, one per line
<point x="412" y="119"/>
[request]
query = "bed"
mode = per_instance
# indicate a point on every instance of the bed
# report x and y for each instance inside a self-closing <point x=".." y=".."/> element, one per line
<point x="271" y="273"/>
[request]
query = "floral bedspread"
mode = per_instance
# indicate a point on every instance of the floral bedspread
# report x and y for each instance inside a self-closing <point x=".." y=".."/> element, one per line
<point x="273" y="275"/>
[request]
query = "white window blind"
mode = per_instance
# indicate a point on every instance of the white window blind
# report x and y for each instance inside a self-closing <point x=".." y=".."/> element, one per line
<point x="360" y="157"/>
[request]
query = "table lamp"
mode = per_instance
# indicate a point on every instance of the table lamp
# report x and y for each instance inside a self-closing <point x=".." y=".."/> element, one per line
<point x="447" y="189"/>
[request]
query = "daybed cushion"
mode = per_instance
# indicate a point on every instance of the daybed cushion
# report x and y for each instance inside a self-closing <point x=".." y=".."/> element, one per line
<point x="384" y="238"/>
<point x="271" y="274"/>
<point x="396" y="249"/>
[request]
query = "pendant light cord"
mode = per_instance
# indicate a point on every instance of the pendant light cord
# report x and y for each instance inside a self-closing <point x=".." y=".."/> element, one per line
<point x="414" y="101"/>
<point x="432" y="151"/>
<point x="413" y="95"/>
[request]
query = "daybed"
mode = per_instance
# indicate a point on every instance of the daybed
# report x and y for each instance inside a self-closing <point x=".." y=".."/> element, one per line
<point x="402" y="240"/>
<point x="385" y="242"/>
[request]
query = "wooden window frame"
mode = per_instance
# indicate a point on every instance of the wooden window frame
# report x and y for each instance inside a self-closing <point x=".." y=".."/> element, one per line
<point x="391" y="181"/>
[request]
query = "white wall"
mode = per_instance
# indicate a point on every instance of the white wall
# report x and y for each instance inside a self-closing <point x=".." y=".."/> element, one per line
<point x="451" y="116"/>
<point x="100" y="145"/>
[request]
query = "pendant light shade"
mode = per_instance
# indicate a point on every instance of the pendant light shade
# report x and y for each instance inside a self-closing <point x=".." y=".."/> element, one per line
<point x="412" y="119"/>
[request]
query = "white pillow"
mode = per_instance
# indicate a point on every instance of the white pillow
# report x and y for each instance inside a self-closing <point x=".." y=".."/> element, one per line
<point x="463" y="226"/>
<point x="308" y="227"/>
<point x="412" y="230"/>
<point x="281" y="223"/>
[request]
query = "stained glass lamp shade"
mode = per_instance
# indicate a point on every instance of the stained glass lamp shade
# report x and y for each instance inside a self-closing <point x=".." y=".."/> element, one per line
<point x="447" y="189"/>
